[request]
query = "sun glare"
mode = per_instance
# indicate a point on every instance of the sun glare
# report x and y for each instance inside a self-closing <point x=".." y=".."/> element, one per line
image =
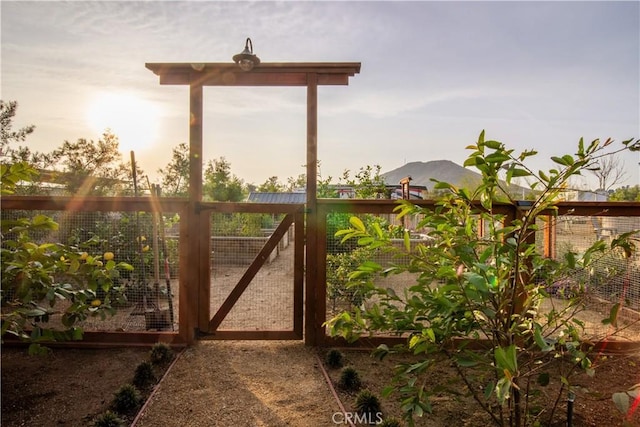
<point x="133" y="119"/>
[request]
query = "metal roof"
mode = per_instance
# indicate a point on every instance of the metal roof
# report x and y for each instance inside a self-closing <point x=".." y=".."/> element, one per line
<point x="277" y="197"/>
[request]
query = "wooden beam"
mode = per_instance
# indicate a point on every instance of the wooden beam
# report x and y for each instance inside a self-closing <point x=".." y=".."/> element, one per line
<point x="298" y="274"/>
<point x="231" y="207"/>
<point x="250" y="335"/>
<point x="311" y="328"/>
<point x="204" y="270"/>
<point x="93" y="203"/>
<point x="195" y="142"/>
<point x="267" y="74"/>
<point x="107" y="339"/>
<point x="549" y="232"/>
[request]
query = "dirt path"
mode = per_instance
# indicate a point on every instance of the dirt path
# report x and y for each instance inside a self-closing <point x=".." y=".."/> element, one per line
<point x="216" y="383"/>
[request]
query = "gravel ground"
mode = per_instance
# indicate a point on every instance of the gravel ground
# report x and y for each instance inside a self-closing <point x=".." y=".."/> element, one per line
<point x="243" y="383"/>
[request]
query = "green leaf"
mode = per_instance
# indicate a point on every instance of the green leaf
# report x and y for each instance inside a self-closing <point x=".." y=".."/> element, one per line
<point x="540" y="341"/>
<point x="559" y="160"/>
<point x="378" y="230"/>
<point x="506" y="358"/>
<point x="386" y="392"/>
<point x="466" y="363"/>
<point x="363" y="241"/>
<point x="497" y="157"/>
<point x="517" y="173"/>
<point x="357" y="223"/>
<point x="494" y="145"/>
<point x="613" y="316"/>
<point x="621" y="401"/>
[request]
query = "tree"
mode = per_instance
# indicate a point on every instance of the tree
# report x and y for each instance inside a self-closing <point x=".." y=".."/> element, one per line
<point x="324" y="188"/>
<point x="220" y="184"/>
<point x="92" y="167"/>
<point x="367" y="183"/>
<point x="21" y="163"/>
<point x="271" y="185"/>
<point x="626" y="194"/>
<point x="467" y="286"/>
<point x="609" y="171"/>
<point x="175" y="176"/>
<point x="7" y="135"/>
<point x="297" y="183"/>
<point x="37" y="276"/>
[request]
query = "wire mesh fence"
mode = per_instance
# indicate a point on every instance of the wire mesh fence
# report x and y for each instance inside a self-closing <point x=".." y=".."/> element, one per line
<point x="613" y="279"/>
<point x="267" y="300"/>
<point x="142" y="298"/>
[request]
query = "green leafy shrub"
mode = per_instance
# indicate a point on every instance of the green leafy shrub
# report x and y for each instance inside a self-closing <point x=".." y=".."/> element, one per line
<point x="350" y="379"/>
<point x="36" y="276"/>
<point x="368" y="404"/>
<point x="144" y="375"/>
<point x="109" y="419"/>
<point x="339" y="268"/>
<point x="334" y="358"/>
<point x="161" y="353"/>
<point x="491" y="284"/>
<point x="127" y="399"/>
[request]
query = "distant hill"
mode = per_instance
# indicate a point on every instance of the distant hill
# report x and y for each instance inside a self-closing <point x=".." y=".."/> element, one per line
<point x="442" y="170"/>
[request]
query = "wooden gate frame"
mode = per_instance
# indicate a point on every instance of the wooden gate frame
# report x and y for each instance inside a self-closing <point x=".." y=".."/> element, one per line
<point x="196" y="76"/>
<point x="294" y="215"/>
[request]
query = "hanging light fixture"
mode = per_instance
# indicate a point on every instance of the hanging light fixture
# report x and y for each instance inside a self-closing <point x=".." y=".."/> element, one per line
<point x="247" y="59"/>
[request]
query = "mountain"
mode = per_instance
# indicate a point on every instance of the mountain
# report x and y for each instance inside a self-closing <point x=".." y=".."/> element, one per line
<point x="442" y="170"/>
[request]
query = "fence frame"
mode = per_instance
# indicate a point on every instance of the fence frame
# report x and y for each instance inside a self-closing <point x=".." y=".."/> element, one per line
<point x="194" y="282"/>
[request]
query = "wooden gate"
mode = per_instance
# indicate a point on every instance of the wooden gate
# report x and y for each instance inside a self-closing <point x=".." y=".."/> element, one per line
<point x="255" y="286"/>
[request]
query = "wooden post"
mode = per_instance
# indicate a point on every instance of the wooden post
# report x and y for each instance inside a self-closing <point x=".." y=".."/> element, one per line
<point x="192" y="276"/>
<point x="550" y="237"/>
<point x="311" y="326"/>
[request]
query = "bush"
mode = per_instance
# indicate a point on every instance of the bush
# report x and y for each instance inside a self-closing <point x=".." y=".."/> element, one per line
<point x="334" y="358"/>
<point x="161" y="353"/>
<point x="339" y="268"/>
<point x="350" y="379"/>
<point x="490" y="284"/>
<point x="144" y="375"/>
<point x="127" y="398"/>
<point x="368" y="404"/>
<point x="109" y="419"/>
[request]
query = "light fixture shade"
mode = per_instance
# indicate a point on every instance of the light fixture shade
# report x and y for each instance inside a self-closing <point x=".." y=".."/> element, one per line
<point x="246" y="60"/>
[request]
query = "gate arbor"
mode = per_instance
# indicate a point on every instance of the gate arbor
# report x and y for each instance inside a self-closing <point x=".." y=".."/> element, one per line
<point x="195" y="281"/>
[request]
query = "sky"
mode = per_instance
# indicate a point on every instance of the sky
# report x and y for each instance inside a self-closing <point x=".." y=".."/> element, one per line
<point x="533" y="75"/>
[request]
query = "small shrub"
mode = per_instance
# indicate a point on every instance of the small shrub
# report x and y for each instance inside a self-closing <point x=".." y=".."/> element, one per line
<point x="127" y="398"/>
<point x="334" y="358"/>
<point x="390" y="422"/>
<point x="350" y="379"/>
<point x="108" y="419"/>
<point x="368" y="404"/>
<point x="144" y="375"/>
<point x="161" y="353"/>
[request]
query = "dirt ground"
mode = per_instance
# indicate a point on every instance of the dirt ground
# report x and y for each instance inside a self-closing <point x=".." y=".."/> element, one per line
<point x="256" y="383"/>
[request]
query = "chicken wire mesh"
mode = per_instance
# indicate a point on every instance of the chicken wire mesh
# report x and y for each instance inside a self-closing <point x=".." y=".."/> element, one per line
<point x="612" y="280"/>
<point x="267" y="303"/>
<point x="143" y="298"/>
